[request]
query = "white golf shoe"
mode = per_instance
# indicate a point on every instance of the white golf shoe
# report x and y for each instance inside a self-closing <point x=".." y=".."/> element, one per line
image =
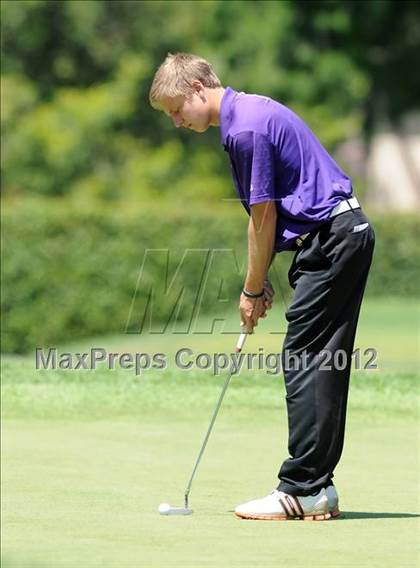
<point x="280" y="506"/>
<point x="332" y="497"/>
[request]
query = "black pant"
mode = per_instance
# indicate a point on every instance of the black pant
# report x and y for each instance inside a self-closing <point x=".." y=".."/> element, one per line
<point x="329" y="274"/>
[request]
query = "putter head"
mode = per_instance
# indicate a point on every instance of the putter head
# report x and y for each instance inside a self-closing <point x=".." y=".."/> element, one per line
<point x="165" y="509"/>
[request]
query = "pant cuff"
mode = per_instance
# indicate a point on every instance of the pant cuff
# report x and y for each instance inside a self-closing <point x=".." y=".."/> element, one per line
<point x="297" y="491"/>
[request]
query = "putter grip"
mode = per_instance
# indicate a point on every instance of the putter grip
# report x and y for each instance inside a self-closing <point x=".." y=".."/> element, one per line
<point x="241" y="341"/>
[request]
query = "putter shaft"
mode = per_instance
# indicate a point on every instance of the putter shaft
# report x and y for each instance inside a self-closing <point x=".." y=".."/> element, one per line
<point x="239" y="346"/>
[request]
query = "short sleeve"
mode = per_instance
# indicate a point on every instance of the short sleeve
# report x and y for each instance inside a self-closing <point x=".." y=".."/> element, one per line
<point x="253" y="154"/>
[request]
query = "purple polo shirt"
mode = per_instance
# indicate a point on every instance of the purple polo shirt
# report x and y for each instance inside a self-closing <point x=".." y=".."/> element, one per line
<point x="275" y="156"/>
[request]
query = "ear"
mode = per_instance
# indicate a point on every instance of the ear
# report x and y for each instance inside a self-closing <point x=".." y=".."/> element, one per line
<point x="198" y="88"/>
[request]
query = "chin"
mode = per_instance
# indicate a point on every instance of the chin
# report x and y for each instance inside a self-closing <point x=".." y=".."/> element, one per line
<point x="202" y="128"/>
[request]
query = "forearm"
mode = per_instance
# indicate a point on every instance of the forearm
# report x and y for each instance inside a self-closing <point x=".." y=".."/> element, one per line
<point x="261" y="236"/>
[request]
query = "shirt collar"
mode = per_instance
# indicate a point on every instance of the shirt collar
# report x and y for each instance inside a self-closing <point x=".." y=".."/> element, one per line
<point x="226" y="114"/>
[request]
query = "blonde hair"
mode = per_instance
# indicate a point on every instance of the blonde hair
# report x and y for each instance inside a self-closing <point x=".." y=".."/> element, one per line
<point x="176" y="75"/>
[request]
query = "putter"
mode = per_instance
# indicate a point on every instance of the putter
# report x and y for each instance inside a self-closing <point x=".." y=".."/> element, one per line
<point x="165" y="508"/>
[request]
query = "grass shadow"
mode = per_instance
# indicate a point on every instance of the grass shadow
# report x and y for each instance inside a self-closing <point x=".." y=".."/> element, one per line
<point x="355" y="515"/>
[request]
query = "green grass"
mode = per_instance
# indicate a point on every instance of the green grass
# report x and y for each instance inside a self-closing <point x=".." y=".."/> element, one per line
<point x="88" y="456"/>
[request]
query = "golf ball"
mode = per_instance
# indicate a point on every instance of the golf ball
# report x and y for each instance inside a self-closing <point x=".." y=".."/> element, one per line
<point x="164" y="508"/>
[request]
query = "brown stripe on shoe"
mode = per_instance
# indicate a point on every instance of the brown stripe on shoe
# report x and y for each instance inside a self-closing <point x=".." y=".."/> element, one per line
<point x="286" y="506"/>
<point x="291" y="502"/>
<point x="298" y="507"/>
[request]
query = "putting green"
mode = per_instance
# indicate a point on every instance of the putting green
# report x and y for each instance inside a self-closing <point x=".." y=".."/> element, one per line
<point x="88" y="457"/>
<point x="87" y="493"/>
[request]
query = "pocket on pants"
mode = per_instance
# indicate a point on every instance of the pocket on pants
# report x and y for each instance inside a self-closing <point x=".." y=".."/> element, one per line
<point x="312" y="257"/>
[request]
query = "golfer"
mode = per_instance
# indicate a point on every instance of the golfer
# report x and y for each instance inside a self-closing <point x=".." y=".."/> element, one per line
<point x="298" y="199"/>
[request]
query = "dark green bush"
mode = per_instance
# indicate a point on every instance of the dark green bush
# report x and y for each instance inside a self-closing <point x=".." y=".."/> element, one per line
<point x="71" y="271"/>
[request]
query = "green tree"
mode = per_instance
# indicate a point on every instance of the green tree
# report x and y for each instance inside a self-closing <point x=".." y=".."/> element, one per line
<point x="76" y="76"/>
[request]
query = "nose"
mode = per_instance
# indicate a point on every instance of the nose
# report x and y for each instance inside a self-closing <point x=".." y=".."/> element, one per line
<point x="177" y="120"/>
